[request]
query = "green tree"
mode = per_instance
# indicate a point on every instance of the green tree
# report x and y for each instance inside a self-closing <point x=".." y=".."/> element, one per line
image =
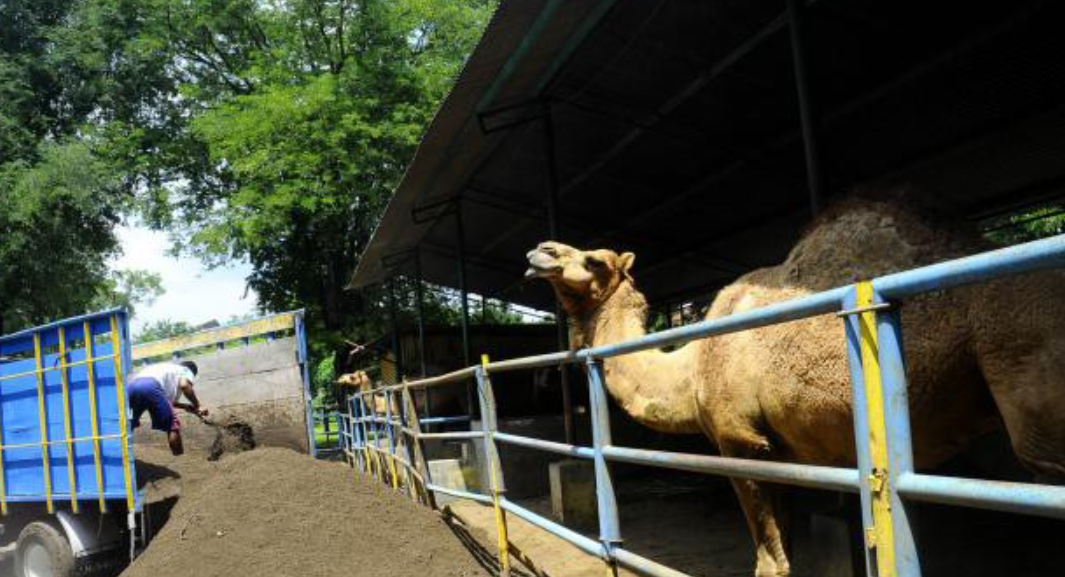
<point x="65" y="71"/>
<point x="1028" y="225"/>
<point x="56" y="233"/>
<point x="296" y="121"/>
<point x="163" y="329"/>
<point x="128" y="288"/>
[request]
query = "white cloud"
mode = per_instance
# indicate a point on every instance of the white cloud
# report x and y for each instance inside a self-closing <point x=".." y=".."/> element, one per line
<point x="194" y="294"/>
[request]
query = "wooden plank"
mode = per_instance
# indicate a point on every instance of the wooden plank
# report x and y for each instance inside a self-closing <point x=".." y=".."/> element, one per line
<point x="249" y="329"/>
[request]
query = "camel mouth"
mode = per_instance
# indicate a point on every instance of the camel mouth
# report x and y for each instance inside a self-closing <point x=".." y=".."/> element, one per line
<point x="537" y="271"/>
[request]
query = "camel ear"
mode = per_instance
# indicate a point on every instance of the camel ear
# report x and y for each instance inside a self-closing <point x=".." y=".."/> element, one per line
<point x="625" y="264"/>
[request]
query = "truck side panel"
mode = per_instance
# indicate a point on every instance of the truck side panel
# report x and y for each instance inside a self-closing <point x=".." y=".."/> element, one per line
<point x="46" y="393"/>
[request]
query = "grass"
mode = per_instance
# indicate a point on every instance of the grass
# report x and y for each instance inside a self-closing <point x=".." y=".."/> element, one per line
<point x="323" y="441"/>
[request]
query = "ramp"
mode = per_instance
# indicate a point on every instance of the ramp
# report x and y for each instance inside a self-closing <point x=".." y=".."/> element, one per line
<point x="255" y="371"/>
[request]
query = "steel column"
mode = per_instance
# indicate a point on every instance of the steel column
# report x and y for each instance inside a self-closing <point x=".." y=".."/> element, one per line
<point x="609" y="524"/>
<point x="464" y="300"/>
<point x="561" y="330"/>
<point x="885" y="448"/>
<point x="899" y="439"/>
<point x="861" y="426"/>
<point x="807" y="108"/>
<point x="419" y="307"/>
<point x="419" y="296"/>
<point x="393" y="320"/>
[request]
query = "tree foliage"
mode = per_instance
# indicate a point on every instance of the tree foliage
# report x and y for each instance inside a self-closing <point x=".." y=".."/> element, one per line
<point x="286" y="129"/>
<point x="1029" y="225"/>
<point x="270" y="132"/>
<point x="163" y="329"/>
<point x="61" y="195"/>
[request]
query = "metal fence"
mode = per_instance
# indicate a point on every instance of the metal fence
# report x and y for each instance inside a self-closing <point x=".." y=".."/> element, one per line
<point x="382" y="434"/>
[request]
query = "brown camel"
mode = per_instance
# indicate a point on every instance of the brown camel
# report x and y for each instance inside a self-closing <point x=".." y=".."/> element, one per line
<point x="360" y="381"/>
<point x="783" y="392"/>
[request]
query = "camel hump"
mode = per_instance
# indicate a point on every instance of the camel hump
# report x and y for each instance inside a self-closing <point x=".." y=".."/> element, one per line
<point x="858" y="238"/>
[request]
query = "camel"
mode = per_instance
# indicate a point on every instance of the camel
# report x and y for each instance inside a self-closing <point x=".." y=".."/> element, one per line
<point x="360" y="381"/>
<point x="783" y="392"/>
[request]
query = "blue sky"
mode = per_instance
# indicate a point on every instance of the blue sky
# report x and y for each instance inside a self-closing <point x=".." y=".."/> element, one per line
<point x="193" y="293"/>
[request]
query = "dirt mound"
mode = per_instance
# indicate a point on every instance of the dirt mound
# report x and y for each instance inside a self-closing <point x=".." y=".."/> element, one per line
<point x="276" y="512"/>
<point x="231" y="437"/>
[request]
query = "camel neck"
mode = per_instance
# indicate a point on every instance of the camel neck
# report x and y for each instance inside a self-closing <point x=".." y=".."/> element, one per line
<point x="654" y="387"/>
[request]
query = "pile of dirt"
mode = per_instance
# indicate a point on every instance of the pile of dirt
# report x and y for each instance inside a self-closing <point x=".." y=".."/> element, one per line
<point x="232" y="436"/>
<point x="276" y="512"/>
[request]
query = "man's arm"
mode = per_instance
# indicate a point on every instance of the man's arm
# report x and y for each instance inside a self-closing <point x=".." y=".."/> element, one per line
<point x="190" y="394"/>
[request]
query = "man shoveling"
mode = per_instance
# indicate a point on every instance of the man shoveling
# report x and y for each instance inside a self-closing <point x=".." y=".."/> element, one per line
<point x="158" y="389"/>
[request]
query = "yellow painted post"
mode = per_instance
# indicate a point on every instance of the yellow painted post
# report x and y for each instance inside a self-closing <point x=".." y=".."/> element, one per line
<point x="91" y="375"/>
<point x="67" y="428"/>
<point x="378" y="471"/>
<point x="43" y="419"/>
<point x="392" y="471"/>
<point x="488" y="423"/>
<point x="883" y="537"/>
<point x="123" y="423"/>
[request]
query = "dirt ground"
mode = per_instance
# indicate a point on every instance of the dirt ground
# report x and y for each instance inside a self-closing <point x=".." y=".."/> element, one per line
<point x="694" y="528"/>
<point x="276" y="512"/>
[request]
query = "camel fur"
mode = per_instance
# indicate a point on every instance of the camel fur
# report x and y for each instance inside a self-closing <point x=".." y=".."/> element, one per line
<point x="783" y="392"/>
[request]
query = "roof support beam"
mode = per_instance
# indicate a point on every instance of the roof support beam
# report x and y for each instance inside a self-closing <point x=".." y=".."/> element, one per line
<point x="561" y="324"/>
<point x="689" y="90"/>
<point x="464" y="301"/>
<point x="807" y="105"/>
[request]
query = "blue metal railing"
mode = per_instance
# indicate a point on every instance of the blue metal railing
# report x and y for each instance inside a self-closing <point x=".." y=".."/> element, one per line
<point x="884" y="476"/>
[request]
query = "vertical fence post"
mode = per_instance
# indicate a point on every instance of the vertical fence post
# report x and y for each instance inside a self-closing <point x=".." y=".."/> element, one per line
<point x="418" y="457"/>
<point x="392" y="471"/>
<point x="370" y="454"/>
<point x="882" y="432"/>
<point x="899" y="439"/>
<point x="492" y="464"/>
<point x="372" y="444"/>
<point x="404" y="443"/>
<point x="356" y="434"/>
<point x="861" y="429"/>
<point x="606" y="500"/>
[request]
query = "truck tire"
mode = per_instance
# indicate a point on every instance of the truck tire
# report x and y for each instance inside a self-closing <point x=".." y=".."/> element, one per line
<point x="43" y="551"/>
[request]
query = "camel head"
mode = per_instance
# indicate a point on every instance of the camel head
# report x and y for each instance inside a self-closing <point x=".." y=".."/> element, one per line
<point x="583" y="279"/>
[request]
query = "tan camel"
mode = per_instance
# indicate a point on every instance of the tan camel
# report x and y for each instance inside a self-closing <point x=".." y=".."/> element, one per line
<point x="783" y="392"/>
<point x="361" y="381"/>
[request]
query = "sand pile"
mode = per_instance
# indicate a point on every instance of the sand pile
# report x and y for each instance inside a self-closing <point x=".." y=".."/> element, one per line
<point x="233" y="436"/>
<point x="279" y="513"/>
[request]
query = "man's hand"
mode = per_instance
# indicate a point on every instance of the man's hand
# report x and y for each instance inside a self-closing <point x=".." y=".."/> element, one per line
<point x="203" y="412"/>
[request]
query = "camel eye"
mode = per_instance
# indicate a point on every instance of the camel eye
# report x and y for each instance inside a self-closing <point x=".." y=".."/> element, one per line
<point x="593" y="262"/>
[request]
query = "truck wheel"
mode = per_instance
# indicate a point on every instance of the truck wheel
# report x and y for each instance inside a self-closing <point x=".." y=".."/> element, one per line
<point x="43" y="551"/>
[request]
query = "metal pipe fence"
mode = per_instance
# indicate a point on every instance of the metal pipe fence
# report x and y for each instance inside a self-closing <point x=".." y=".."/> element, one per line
<point x="884" y="477"/>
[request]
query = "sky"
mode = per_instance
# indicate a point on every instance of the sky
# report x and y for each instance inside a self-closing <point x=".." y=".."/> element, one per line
<point x="193" y="294"/>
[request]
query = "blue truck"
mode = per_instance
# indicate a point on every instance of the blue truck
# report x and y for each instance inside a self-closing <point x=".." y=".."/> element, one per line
<point x="68" y="492"/>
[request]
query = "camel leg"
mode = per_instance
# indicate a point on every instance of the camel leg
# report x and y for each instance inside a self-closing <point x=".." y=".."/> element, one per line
<point x="1029" y="389"/>
<point x="761" y="506"/>
<point x="761" y="503"/>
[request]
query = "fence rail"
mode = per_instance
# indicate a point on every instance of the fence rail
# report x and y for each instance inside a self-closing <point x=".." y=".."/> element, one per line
<point x="884" y="477"/>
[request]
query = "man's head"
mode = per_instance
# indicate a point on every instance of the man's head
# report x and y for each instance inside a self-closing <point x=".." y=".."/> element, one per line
<point x="191" y="366"/>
